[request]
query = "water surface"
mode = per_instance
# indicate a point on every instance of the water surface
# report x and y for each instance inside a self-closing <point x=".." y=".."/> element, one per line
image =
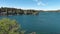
<point x="44" y="22"/>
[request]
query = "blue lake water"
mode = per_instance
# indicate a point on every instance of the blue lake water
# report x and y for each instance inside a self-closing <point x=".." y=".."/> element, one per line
<point x="43" y="22"/>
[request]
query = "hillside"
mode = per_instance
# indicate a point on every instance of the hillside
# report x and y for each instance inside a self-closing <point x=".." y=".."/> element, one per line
<point x="14" y="11"/>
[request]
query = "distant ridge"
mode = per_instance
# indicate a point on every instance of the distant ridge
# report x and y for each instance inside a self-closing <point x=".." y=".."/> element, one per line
<point x="14" y="11"/>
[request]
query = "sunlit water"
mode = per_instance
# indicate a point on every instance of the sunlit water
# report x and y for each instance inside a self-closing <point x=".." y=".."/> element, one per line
<point x="46" y="22"/>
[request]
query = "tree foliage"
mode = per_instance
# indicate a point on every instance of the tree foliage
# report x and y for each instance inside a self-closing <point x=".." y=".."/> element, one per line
<point x="8" y="26"/>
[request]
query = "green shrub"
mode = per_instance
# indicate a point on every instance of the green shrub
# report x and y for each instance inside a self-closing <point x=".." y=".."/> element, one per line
<point x="8" y="26"/>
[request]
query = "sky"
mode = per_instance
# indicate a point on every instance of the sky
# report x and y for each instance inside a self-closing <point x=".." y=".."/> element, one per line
<point x="32" y="4"/>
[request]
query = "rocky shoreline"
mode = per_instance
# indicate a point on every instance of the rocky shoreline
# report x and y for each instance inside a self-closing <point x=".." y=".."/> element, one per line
<point x="14" y="11"/>
<point x="5" y="11"/>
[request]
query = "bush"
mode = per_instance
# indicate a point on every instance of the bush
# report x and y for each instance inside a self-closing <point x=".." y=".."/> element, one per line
<point x="8" y="26"/>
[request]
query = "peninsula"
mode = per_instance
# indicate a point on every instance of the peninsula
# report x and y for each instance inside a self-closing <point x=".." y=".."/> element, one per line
<point x="5" y="11"/>
<point x="14" y="11"/>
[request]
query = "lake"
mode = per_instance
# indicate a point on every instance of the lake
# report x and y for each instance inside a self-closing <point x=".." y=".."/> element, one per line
<point x="46" y="22"/>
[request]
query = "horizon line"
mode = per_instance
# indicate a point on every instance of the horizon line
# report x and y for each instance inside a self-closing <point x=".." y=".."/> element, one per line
<point x="31" y="8"/>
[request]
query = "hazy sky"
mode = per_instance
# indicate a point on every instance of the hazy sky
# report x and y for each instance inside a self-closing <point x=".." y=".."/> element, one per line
<point x="31" y="4"/>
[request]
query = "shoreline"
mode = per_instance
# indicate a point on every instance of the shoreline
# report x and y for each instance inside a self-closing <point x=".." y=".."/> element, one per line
<point x="5" y="11"/>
